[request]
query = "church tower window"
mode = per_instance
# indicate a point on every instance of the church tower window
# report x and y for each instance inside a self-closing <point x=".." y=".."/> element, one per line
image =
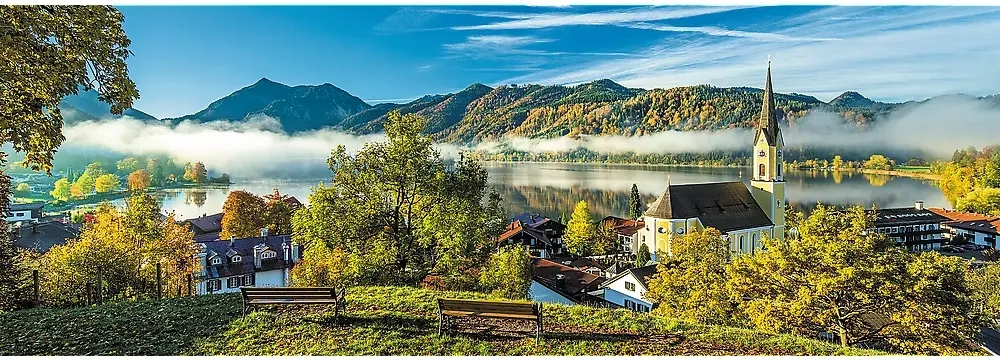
<point x="778" y="169"/>
<point x="761" y="171"/>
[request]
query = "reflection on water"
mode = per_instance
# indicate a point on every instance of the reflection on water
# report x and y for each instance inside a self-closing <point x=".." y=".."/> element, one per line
<point x="553" y="189"/>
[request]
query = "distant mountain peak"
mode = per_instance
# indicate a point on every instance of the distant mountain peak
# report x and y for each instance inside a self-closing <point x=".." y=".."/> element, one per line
<point x="852" y="99"/>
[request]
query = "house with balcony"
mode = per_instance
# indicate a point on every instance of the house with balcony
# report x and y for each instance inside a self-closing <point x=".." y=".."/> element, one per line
<point x="227" y="265"/>
<point x="915" y="228"/>
<point x="540" y="235"/>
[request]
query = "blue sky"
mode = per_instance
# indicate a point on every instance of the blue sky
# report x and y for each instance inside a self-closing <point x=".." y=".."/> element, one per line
<point x="187" y="57"/>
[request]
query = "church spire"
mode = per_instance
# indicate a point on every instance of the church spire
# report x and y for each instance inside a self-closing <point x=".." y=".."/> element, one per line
<point x="768" y="121"/>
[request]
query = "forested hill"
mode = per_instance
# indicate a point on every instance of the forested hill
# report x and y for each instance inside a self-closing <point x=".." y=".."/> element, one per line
<point x="480" y="112"/>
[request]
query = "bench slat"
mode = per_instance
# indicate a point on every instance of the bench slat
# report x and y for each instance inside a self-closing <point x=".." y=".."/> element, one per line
<point x="495" y="309"/>
<point x="490" y="314"/>
<point x="291" y="296"/>
<point x="295" y="291"/>
<point x="295" y="301"/>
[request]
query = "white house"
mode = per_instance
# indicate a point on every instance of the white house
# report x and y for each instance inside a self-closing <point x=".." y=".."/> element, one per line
<point x="979" y="232"/>
<point x="629" y="288"/>
<point x="25" y="212"/>
<point x="552" y="282"/>
<point x="264" y="261"/>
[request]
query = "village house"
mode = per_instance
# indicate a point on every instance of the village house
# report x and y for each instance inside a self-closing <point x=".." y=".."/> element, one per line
<point x="743" y="215"/>
<point x="627" y="231"/>
<point x="540" y="235"/>
<point x="264" y="261"/>
<point x="915" y="228"/>
<point x="973" y="228"/>
<point x="557" y="283"/>
<point x="31" y="212"/>
<point x="629" y="288"/>
<point x="41" y="237"/>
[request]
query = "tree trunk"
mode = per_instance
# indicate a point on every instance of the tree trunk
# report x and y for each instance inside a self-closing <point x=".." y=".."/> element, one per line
<point x="843" y="337"/>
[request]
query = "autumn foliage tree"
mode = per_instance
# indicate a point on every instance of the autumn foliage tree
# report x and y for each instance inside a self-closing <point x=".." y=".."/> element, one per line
<point x="106" y="183"/>
<point x="508" y="273"/>
<point x="138" y="180"/>
<point x="199" y="174"/>
<point x="243" y="215"/>
<point x="691" y="285"/>
<point x="580" y="231"/>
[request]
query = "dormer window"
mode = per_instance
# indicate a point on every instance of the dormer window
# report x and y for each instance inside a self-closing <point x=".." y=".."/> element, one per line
<point x="268" y="255"/>
<point x="237" y="259"/>
<point x="216" y="261"/>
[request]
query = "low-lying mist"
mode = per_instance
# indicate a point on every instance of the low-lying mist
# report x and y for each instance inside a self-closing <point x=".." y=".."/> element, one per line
<point x="260" y="149"/>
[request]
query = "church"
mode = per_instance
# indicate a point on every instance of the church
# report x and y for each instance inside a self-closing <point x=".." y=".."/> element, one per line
<point x="743" y="215"/>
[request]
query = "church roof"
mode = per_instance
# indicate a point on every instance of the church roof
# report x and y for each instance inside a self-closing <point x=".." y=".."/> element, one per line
<point x="767" y="124"/>
<point x="725" y="206"/>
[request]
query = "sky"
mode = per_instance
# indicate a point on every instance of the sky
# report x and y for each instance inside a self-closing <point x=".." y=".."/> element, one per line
<point x="187" y="57"/>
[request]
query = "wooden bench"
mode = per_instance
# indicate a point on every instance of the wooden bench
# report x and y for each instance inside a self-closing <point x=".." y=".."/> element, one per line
<point x="293" y="296"/>
<point x="456" y="308"/>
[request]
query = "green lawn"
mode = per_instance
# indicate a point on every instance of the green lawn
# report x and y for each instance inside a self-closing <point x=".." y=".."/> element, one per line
<point x="913" y="169"/>
<point x="379" y="321"/>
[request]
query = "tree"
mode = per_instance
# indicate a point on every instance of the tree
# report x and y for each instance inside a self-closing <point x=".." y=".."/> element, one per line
<point x="11" y="272"/>
<point x="692" y="285"/>
<point x="243" y="215"/>
<point x="106" y="183"/>
<point x="127" y="165"/>
<point x="85" y="184"/>
<point x="981" y="200"/>
<point x="55" y="51"/>
<point x="126" y="244"/>
<point x="605" y="240"/>
<point x="94" y="170"/>
<point x="198" y="173"/>
<point x="642" y="256"/>
<point x="837" y="276"/>
<point x="399" y="211"/>
<point x="278" y="218"/>
<point x="986" y="294"/>
<point x="990" y="177"/>
<point x="508" y="273"/>
<point x="635" y="203"/>
<point x="138" y="180"/>
<point x="62" y="190"/>
<point x="188" y="173"/>
<point x="154" y="167"/>
<point x="878" y="162"/>
<point x="22" y="188"/>
<point x="838" y="162"/>
<point x="322" y="267"/>
<point x="579" y="231"/>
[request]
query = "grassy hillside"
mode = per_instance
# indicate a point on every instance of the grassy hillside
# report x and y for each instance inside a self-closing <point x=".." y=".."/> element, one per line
<point x="379" y="321"/>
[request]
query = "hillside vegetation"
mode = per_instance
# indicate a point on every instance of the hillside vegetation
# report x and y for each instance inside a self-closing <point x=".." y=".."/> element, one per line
<point x="378" y="321"/>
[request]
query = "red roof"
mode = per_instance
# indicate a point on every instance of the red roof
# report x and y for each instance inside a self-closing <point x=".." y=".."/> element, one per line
<point x="625" y="226"/>
<point x="961" y="215"/>
<point x="576" y="281"/>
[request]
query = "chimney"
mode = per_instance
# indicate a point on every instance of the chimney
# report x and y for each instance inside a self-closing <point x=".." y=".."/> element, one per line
<point x="232" y="241"/>
<point x="34" y="227"/>
<point x="263" y="232"/>
<point x="919" y="205"/>
<point x="560" y="281"/>
<point x="203" y="259"/>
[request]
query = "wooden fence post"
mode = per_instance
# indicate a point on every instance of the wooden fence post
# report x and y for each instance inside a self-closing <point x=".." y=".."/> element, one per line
<point x="34" y="279"/>
<point x="159" y="282"/>
<point x="100" y="285"/>
<point x="189" y="284"/>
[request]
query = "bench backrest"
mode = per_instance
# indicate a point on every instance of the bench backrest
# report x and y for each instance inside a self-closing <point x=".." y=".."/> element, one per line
<point x="291" y="293"/>
<point x="489" y="306"/>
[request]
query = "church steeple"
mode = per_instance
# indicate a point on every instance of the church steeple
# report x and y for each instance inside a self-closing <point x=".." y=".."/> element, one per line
<point x="767" y="124"/>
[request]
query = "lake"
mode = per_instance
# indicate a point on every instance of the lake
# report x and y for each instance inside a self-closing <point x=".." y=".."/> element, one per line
<point x="553" y="189"/>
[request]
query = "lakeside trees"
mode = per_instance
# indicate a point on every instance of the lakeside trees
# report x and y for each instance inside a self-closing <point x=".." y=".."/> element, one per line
<point x="400" y="213"/>
<point x="971" y="180"/>
<point x="836" y="277"/>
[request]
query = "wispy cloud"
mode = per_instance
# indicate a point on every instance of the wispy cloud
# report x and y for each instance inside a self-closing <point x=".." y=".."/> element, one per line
<point x="891" y="54"/>
<point x="716" y="31"/>
<point x="494" y="46"/>
<point x="556" y="19"/>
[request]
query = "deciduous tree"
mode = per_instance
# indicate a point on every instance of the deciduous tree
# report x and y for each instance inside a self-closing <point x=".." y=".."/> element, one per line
<point x="106" y="183"/>
<point x="838" y="162"/>
<point x="243" y="215"/>
<point x="508" y="273"/>
<point x="154" y="167"/>
<point x="22" y="188"/>
<point x="198" y="173"/>
<point x="62" y="190"/>
<point x="85" y="183"/>
<point x="981" y="200"/>
<point x="138" y="180"/>
<point x="127" y="165"/>
<point x="322" y="267"/>
<point x="692" y="284"/>
<point x="53" y="52"/>
<point x="580" y="231"/>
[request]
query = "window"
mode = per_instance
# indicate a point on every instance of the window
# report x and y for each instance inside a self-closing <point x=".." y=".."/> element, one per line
<point x="19" y="214"/>
<point x="629" y="304"/>
<point x="233" y="282"/>
<point x="268" y="255"/>
<point x="629" y="286"/>
<point x="741" y="243"/>
<point x="760" y="171"/>
<point x="214" y="285"/>
<point x="778" y="169"/>
<point x="248" y="279"/>
<point x="216" y="261"/>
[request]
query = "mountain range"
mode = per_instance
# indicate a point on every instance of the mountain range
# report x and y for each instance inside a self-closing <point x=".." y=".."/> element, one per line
<point x="479" y="112"/>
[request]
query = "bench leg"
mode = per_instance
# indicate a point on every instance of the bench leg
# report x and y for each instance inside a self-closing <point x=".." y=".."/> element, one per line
<point x="440" y="324"/>
<point x="538" y="330"/>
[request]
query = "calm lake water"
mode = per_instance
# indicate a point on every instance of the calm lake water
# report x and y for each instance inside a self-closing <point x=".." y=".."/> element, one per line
<point x="554" y="189"/>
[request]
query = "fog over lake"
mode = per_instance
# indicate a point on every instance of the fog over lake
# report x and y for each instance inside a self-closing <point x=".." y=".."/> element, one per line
<point x="552" y="189"/>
